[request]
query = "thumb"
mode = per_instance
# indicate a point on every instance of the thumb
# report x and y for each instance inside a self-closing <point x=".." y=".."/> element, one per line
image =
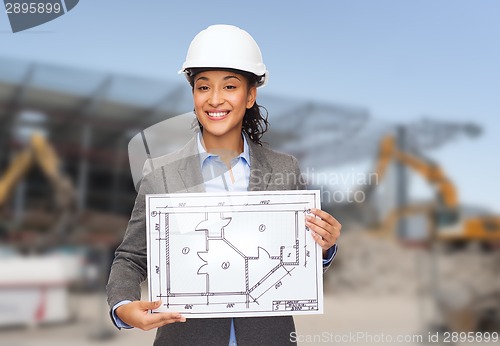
<point x="150" y="305"/>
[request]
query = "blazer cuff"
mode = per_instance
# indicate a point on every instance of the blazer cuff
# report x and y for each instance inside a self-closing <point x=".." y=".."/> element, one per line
<point x="116" y="320"/>
<point x="330" y="255"/>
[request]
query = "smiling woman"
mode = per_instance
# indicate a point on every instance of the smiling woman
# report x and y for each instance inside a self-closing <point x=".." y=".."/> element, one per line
<point x="243" y="65"/>
<point x="221" y="99"/>
<point x="224" y="68"/>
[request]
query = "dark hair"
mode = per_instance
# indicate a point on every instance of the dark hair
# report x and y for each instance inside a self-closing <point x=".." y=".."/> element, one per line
<point x="255" y="122"/>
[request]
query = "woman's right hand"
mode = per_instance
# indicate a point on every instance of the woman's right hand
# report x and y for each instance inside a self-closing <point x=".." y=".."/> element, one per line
<point x="136" y="314"/>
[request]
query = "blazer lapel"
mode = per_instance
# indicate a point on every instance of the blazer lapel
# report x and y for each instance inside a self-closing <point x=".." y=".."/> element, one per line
<point x="260" y="169"/>
<point x="191" y="175"/>
<point x="189" y="168"/>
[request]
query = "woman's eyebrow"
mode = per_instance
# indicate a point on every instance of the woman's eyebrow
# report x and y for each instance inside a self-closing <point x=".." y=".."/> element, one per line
<point x="231" y="76"/>
<point x="201" y="78"/>
<point x="225" y="78"/>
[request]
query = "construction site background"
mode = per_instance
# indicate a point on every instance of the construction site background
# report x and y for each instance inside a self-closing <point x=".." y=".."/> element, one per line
<point x="61" y="220"/>
<point x="416" y="258"/>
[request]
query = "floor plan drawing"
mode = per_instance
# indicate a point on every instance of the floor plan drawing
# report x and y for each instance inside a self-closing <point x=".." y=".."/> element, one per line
<point x="234" y="254"/>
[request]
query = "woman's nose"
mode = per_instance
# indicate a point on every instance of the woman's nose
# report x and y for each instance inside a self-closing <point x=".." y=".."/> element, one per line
<point x="215" y="99"/>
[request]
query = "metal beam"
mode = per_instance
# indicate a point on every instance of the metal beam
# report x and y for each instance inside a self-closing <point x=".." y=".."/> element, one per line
<point x="401" y="183"/>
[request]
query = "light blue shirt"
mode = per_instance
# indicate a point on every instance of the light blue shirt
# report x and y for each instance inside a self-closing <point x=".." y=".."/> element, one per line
<point x="216" y="175"/>
<point x="218" y="178"/>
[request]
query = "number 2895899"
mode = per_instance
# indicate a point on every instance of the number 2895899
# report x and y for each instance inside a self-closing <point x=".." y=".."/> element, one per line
<point x="32" y="7"/>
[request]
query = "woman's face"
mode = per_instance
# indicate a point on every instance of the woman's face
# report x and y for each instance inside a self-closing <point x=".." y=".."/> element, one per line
<point x="220" y="101"/>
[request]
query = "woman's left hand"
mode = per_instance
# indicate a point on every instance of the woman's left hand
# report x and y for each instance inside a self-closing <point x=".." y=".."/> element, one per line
<point x="325" y="229"/>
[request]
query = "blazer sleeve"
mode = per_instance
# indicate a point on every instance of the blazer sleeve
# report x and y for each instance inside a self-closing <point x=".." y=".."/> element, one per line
<point x="301" y="185"/>
<point x="129" y="268"/>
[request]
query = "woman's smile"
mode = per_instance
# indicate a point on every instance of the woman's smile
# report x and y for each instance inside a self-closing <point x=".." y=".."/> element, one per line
<point x="217" y="114"/>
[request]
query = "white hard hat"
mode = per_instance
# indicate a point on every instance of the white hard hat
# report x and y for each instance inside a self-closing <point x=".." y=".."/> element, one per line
<point x="225" y="46"/>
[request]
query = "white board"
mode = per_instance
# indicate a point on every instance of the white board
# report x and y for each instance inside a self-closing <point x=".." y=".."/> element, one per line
<point x="235" y="254"/>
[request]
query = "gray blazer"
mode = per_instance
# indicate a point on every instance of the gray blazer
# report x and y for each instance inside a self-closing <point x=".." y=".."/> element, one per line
<point x="181" y="172"/>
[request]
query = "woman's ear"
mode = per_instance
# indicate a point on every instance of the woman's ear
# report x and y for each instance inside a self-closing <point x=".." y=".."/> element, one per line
<point x="252" y="95"/>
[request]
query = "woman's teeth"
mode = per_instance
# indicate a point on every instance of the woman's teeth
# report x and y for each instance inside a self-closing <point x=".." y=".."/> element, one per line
<point x="217" y="114"/>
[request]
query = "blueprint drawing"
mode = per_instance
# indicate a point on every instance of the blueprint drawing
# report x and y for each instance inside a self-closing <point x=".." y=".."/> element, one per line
<point x="234" y="254"/>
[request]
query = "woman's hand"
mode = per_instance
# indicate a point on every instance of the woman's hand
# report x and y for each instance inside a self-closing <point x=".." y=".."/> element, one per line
<point x="325" y="229"/>
<point x="136" y="314"/>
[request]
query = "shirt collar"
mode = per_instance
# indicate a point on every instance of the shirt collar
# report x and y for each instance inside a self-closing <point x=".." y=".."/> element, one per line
<point x="203" y="155"/>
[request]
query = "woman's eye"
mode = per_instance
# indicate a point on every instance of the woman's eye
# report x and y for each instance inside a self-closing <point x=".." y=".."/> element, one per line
<point x="230" y="87"/>
<point x="203" y="88"/>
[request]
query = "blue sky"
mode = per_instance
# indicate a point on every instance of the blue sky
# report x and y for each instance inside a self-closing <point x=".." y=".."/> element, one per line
<point x="399" y="59"/>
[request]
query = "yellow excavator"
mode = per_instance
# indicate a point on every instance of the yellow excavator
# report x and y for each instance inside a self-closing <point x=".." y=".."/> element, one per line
<point x="40" y="152"/>
<point x="459" y="303"/>
<point x="444" y="217"/>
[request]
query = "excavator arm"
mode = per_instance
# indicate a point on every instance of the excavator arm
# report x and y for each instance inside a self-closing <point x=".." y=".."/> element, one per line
<point x="388" y="152"/>
<point x="40" y="152"/>
<point x="17" y="169"/>
<point x="434" y="174"/>
<point x="445" y="214"/>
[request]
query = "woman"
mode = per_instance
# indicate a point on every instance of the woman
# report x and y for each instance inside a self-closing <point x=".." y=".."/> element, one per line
<point x="224" y="68"/>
